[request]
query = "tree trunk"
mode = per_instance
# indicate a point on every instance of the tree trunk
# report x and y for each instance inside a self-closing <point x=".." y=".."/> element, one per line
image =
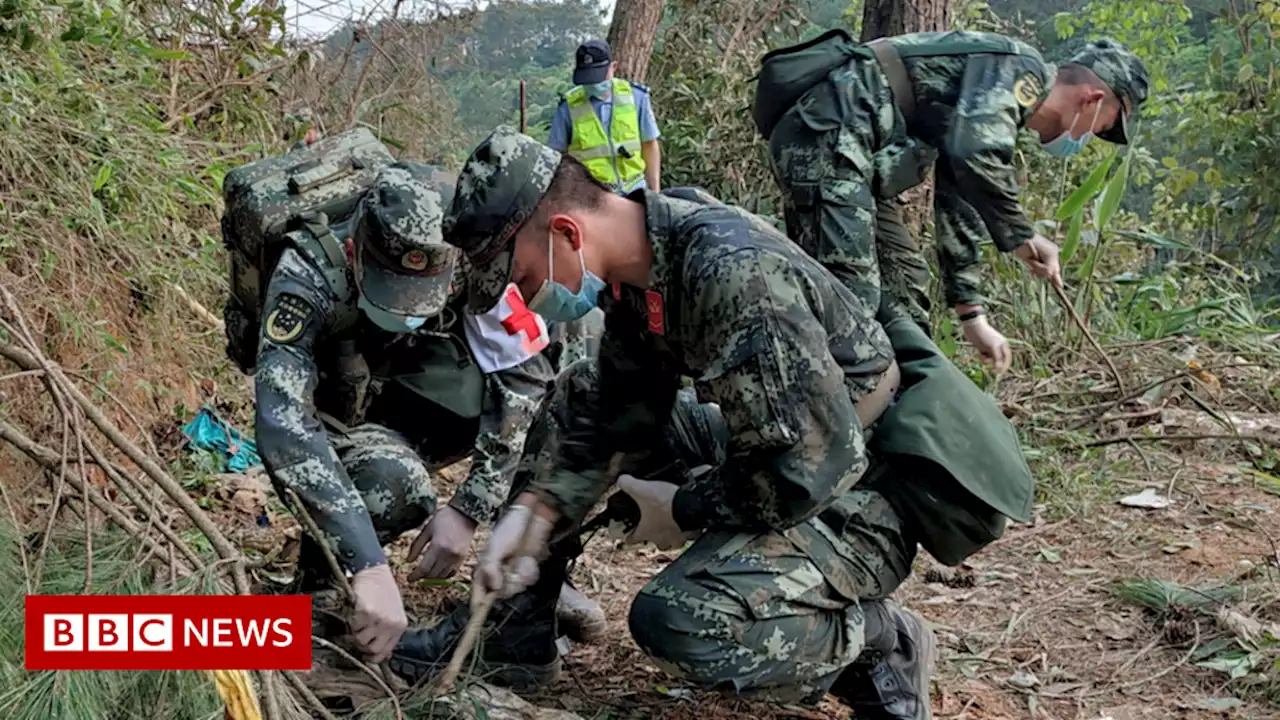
<point x="631" y="36"/>
<point x="881" y="18"/>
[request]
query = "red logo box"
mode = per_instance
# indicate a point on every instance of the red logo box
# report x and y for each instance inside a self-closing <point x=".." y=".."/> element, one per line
<point x="168" y="632"/>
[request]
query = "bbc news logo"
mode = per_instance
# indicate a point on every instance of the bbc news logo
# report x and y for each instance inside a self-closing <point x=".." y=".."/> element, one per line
<point x="168" y="632"/>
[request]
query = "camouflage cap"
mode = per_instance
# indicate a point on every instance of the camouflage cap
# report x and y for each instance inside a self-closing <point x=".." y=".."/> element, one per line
<point x="499" y="188"/>
<point x="1124" y="73"/>
<point x="405" y="267"/>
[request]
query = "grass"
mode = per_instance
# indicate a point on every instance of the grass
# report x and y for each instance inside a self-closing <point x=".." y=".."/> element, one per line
<point x="47" y="695"/>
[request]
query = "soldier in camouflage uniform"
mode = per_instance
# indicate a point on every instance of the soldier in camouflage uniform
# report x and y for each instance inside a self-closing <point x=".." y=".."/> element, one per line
<point x="301" y="128"/>
<point x="821" y="488"/>
<point x="355" y="408"/>
<point x="851" y="145"/>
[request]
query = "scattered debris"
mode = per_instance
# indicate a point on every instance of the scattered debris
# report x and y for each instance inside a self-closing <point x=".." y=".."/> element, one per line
<point x="1148" y="499"/>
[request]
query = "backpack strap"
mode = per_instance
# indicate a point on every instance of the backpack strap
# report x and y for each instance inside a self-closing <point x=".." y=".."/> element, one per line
<point x="325" y="249"/>
<point x="896" y="72"/>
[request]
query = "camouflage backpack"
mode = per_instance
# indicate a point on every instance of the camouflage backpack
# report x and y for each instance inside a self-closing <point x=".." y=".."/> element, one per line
<point x="303" y="199"/>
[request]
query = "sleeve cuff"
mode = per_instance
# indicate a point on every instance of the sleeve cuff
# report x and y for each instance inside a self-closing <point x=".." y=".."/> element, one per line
<point x="476" y="509"/>
<point x="1015" y="235"/>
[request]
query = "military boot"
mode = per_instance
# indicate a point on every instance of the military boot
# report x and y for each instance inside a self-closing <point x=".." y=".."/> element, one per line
<point x="581" y="618"/>
<point x="890" y="680"/>
<point x="517" y="648"/>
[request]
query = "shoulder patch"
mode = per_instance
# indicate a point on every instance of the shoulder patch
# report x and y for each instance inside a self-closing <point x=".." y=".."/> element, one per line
<point x="286" y="321"/>
<point x="1027" y="89"/>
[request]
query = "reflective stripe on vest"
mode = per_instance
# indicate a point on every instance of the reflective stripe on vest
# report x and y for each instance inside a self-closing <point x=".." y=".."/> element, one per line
<point x="591" y="146"/>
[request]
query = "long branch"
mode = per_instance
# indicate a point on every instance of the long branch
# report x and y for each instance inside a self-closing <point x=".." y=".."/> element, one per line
<point x="198" y="517"/>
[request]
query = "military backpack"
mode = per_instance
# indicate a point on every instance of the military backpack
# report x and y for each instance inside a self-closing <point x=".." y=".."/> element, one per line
<point x="304" y="199"/>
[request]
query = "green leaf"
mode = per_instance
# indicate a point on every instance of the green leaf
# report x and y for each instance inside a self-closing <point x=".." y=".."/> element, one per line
<point x="1087" y="190"/>
<point x="1245" y="74"/>
<point x="104" y="176"/>
<point x="1112" y="195"/>
<point x="1072" y="243"/>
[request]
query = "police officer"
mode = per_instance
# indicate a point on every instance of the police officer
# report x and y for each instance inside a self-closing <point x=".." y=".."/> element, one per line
<point x="821" y="489"/>
<point x="867" y="132"/>
<point x="607" y="123"/>
<point x="363" y="391"/>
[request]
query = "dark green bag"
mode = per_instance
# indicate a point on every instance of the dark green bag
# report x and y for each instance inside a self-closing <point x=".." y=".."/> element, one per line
<point x="442" y="371"/>
<point x="787" y="73"/>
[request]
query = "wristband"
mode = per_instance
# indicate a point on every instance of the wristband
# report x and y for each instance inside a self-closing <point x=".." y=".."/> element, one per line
<point x="972" y="315"/>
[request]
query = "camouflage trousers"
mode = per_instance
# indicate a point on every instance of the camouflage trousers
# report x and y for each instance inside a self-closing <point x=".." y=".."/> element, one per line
<point x="841" y="159"/>
<point x="394" y="483"/>
<point x="749" y="613"/>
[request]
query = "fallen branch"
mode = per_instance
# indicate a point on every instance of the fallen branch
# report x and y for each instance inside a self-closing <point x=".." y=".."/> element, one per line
<point x="395" y="701"/>
<point x="199" y="309"/>
<point x="1071" y="308"/>
<point x="171" y="487"/>
<point x="49" y="458"/>
<point x="1185" y="372"/>
<point x="1170" y="438"/>
<point x="301" y="688"/>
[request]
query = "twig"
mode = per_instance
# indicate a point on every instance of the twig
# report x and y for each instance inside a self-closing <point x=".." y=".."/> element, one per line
<point x="395" y="701"/>
<point x="176" y="493"/>
<point x="1185" y="372"/>
<point x="198" y="309"/>
<point x="1160" y="438"/>
<point x="22" y="373"/>
<point x="480" y="608"/>
<point x="301" y="688"/>
<point x="314" y="530"/>
<point x="22" y="547"/>
<point x="48" y="458"/>
<point x="58" y="488"/>
<point x="1071" y="308"/>
<point x="88" y="521"/>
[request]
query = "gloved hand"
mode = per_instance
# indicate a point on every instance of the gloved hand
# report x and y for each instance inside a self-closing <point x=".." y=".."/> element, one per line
<point x="507" y="565"/>
<point x="379" y="619"/>
<point x="1040" y="255"/>
<point x="657" y="525"/>
<point x="993" y="346"/>
<point x="450" y="533"/>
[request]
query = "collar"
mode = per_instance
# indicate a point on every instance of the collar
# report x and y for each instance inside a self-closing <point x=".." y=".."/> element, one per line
<point x="659" y="221"/>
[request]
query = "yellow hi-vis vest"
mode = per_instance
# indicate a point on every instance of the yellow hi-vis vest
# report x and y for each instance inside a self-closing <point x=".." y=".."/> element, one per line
<point x="619" y="164"/>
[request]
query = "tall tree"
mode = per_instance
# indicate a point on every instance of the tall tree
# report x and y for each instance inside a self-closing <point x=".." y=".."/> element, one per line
<point x="895" y="17"/>
<point x="631" y="36"/>
<point x="881" y="18"/>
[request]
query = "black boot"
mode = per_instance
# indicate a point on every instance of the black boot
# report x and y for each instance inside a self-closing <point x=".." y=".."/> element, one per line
<point x="517" y="648"/>
<point x="890" y="681"/>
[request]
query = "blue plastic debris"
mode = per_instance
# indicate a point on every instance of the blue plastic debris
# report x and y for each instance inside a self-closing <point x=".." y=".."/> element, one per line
<point x="207" y="431"/>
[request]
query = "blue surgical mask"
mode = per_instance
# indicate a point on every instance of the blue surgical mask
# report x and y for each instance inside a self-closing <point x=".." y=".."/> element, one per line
<point x="389" y="321"/>
<point x="601" y="90"/>
<point x="1064" y="145"/>
<point x="557" y="303"/>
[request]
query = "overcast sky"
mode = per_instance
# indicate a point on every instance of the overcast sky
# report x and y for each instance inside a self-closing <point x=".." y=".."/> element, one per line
<point x="317" y="18"/>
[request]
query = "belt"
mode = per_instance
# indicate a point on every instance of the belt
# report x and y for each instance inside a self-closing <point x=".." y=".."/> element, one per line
<point x="871" y="406"/>
<point x="896" y="73"/>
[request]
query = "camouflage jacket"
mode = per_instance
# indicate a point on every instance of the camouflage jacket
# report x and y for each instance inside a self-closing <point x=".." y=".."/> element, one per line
<point x="969" y="108"/>
<point x="766" y="333"/>
<point x="303" y="321"/>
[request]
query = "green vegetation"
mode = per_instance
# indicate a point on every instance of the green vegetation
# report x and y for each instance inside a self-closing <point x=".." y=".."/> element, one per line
<point x="119" y="119"/>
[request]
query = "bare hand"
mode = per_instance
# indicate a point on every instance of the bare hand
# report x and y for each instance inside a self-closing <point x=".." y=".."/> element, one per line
<point x="993" y="346"/>
<point x="379" y="619"/>
<point x="1041" y="257"/>
<point x="449" y="533"/>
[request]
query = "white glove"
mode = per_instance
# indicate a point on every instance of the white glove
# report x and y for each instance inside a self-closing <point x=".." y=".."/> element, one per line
<point x="450" y="533"/>
<point x="993" y="346"/>
<point x="657" y="524"/>
<point x="379" y="619"/>
<point x="508" y="566"/>
<point x="1040" y="255"/>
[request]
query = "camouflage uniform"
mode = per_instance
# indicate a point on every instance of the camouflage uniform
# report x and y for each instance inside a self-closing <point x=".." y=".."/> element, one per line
<point x="363" y="474"/>
<point x="844" y="152"/>
<point x="798" y="537"/>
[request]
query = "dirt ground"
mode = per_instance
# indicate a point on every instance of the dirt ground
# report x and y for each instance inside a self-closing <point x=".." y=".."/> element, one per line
<point x="1030" y="628"/>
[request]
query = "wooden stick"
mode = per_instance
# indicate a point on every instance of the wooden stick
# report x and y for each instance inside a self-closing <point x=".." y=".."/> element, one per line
<point x="480" y="607"/>
<point x="1071" y="308"/>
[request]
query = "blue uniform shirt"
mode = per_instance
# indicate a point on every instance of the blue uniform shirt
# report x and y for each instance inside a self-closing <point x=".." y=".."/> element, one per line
<point x="562" y="127"/>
